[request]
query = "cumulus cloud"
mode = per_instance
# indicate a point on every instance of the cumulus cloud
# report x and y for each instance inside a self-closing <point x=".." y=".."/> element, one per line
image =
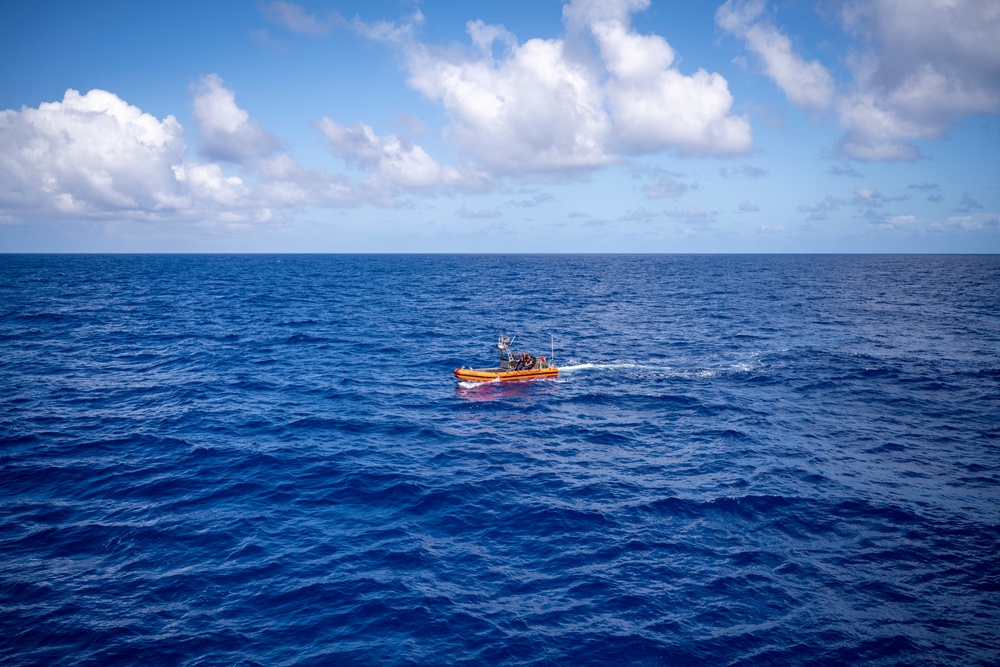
<point x="88" y="155"/>
<point x="94" y="156"/>
<point x="876" y="133"/>
<point x="807" y="84"/>
<point x="283" y="183"/>
<point x="929" y="60"/>
<point x="915" y="68"/>
<point x="654" y="106"/>
<point x="533" y="110"/>
<point x="392" y="160"/>
<point x="397" y="160"/>
<point x="923" y="64"/>
<point x="550" y="105"/>
<point x="227" y="132"/>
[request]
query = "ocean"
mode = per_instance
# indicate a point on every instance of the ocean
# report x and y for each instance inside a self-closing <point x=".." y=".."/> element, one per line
<point x="266" y="460"/>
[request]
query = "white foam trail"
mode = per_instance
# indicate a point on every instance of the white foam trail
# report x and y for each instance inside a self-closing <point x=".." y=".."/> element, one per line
<point x="576" y="367"/>
<point x="475" y="384"/>
<point x="663" y="369"/>
<point x="630" y="365"/>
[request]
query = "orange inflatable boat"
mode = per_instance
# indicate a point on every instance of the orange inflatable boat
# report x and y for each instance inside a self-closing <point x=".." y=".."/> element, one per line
<point x="512" y="367"/>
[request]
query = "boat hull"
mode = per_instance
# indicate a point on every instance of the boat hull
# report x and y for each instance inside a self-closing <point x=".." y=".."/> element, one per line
<point x="491" y="374"/>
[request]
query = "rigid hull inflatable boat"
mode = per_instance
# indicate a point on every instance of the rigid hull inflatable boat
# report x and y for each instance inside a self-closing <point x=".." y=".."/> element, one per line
<point x="512" y="367"/>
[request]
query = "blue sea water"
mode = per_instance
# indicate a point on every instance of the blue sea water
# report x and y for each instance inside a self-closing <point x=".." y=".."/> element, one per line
<point x="265" y="460"/>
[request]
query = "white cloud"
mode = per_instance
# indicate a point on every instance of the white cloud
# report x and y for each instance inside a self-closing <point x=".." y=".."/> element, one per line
<point x="226" y="130"/>
<point x="549" y="105"/>
<point x="921" y="47"/>
<point x="534" y="110"/>
<point x="283" y="183"/>
<point x="394" y="161"/>
<point x="876" y="133"/>
<point x="655" y="107"/>
<point x="88" y="155"/>
<point x="808" y="85"/>
<point x="916" y="66"/>
<point x="924" y="64"/>
<point x="398" y="161"/>
<point x="483" y="36"/>
<point x="95" y="156"/>
<point x="208" y="182"/>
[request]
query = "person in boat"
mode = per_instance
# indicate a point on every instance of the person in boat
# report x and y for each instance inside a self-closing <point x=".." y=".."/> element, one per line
<point x="516" y="362"/>
<point x="525" y="361"/>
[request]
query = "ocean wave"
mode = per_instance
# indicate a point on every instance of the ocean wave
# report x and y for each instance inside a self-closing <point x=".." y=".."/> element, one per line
<point x="233" y="460"/>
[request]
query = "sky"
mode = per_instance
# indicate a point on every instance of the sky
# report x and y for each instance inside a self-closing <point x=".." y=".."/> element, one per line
<point x="518" y="126"/>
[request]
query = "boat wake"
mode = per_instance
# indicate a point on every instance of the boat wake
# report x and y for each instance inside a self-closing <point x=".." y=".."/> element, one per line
<point x="475" y="384"/>
<point x="662" y="370"/>
<point x="613" y="366"/>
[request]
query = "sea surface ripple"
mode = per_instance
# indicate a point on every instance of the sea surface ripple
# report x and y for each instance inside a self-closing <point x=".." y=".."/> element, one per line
<point x="265" y="460"/>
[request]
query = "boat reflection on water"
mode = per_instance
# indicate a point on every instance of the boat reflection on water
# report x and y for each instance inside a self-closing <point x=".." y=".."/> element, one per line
<point x="486" y="392"/>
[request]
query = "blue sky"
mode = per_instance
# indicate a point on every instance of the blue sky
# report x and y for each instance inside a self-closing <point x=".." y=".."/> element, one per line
<point x="544" y="126"/>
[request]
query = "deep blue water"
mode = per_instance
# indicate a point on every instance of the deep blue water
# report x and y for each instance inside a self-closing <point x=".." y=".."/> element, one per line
<point x="265" y="460"/>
